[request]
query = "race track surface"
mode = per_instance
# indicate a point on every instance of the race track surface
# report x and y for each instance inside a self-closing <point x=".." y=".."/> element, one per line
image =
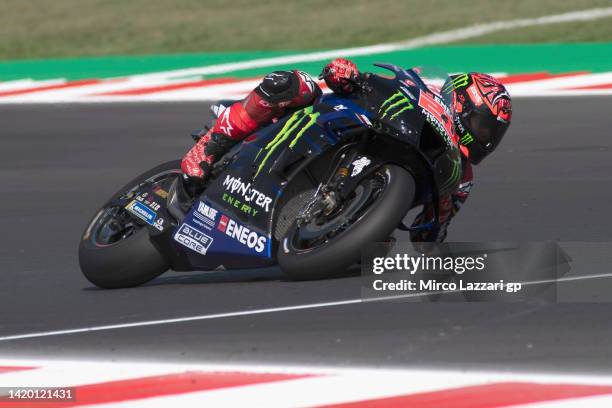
<point x="550" y="180"/>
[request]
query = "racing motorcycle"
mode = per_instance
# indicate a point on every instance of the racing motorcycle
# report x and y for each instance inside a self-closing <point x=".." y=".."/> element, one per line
<point x="308" y="192"/>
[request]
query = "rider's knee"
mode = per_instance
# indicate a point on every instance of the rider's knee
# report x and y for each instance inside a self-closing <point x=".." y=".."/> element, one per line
<point x="279" y="86"/>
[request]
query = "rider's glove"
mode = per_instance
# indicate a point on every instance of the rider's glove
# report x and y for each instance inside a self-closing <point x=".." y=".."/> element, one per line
<point x="426" y="231"/>
<point x="340" y="75"/>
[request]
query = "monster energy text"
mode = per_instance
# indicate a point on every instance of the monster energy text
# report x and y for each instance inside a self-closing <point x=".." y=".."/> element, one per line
<point x="236" y="186"/>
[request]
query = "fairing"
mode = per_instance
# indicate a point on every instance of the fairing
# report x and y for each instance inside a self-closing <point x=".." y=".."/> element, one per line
<point x="232" y="222"/>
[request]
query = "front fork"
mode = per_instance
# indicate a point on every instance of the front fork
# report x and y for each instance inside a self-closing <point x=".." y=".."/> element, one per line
<point x="352" y="166"/>
<point x="348" y="175"/>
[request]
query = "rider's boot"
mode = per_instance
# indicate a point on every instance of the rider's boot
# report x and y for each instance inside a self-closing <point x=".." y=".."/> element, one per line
<point x="197" y="163"/>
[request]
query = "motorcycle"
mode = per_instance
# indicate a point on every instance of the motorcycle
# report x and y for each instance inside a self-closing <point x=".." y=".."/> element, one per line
<point x="308" y="192"/>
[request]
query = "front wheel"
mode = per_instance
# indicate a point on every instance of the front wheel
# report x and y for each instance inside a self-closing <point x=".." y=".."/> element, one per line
<point x="329" y="244"/>
<point x="115" y="251"/>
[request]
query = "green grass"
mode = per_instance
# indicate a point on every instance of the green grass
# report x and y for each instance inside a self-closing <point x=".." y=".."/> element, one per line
<point x="585" y="31"/>
<point x="517" y="58"/>
<point x="72" y="28"/>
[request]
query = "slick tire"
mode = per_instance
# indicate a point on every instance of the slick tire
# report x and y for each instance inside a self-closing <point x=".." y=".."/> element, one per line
<point x="344" y="250"/>
<point x="129" y="262"/>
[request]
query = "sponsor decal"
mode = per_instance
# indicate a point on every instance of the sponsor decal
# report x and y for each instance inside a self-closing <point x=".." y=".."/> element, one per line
<point x="205" y="215"/>
<point x="142" y="211"/>
<point x="456" y="82"/>
<point x="475" y="95"/>
<point x="193" y="239"/>
<point x="359" y="165"/>
<point x="307" y="79"/>
<point x="264" y="104"/>
<point x="302" y="119"/>
<point x="145" y="213"/>
<point x="455" y="174"/>
<point x="394" y="105"/>
<point x="207" y="211"/>
<point x="239" y="205"/>
<point x="196" y="221"/>
<point x="160" y="192"/>
<point x="242" y="234"/>
<point x="340" y="107"/>
<point x="159" y="224"/>
<point x="364" y="119"/>
<point x="467" y="139"/>
<point x="224" y="122"/>
<point x="458" y="123"/>
<point x="438" y="115"/>
<point x="223" y="223"/>
<point x="250" y="195"/>
<point x="218" y="109"/>
<point x="147" y="201"/>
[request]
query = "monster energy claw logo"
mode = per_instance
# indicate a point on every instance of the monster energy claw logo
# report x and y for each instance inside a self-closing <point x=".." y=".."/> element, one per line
<point x="467" y="139"/>
<point x="454" y="176"/>
<point x="456" y="81"/>
<point x="305" y="117"/>
<point x="397" y="101"/>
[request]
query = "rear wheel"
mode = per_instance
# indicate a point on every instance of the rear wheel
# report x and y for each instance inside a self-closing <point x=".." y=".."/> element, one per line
<point x="115" y="251"/>
<point x="330" y="243"/>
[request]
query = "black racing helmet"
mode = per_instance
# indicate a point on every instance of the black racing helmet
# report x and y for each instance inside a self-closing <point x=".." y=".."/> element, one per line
<point x="483" y="111"/>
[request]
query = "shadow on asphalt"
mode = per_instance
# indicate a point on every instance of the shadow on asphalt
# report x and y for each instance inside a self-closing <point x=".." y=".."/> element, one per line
<point x="229" y="276"/>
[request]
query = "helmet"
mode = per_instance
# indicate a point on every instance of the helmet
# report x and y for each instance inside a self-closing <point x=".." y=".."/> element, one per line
<point x="482" y="112"/>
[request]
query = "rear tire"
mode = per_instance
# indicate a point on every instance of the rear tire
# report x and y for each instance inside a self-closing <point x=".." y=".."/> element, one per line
<point x="343" y="250"/>
<point x="131" y="261"/>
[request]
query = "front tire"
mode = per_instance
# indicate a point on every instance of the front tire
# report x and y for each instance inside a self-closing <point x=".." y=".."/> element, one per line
<point x="374" y="224"/>
<point x="130" y="259"/>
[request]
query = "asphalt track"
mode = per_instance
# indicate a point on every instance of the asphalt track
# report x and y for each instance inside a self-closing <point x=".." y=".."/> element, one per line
<point x="550" y="180"/>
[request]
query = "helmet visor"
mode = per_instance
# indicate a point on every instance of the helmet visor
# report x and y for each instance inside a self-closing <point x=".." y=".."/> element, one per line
<point x="487" y="130"/>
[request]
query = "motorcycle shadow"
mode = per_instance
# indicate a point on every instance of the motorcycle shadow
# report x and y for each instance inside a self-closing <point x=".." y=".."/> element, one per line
<point x="221" y="276"/>
<point x="231" y="276"/>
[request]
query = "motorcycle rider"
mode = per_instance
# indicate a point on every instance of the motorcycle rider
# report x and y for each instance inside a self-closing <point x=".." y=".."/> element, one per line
<point x="481" y="107"/>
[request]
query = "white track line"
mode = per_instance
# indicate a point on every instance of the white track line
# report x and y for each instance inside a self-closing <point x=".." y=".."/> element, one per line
<point x="431" y="39"/>
<point x="181" y="319"/>
<point x="265" y="311"/>
<point x="560" y="84"/>
<point x="27" y="83"/>
<point x="86" y="94"/>
<point x="471" y="374"/>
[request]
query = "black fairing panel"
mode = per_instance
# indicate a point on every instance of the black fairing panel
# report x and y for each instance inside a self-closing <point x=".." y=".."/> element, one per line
<point x="266" y="162"/>
<point x="252" y="179"/>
